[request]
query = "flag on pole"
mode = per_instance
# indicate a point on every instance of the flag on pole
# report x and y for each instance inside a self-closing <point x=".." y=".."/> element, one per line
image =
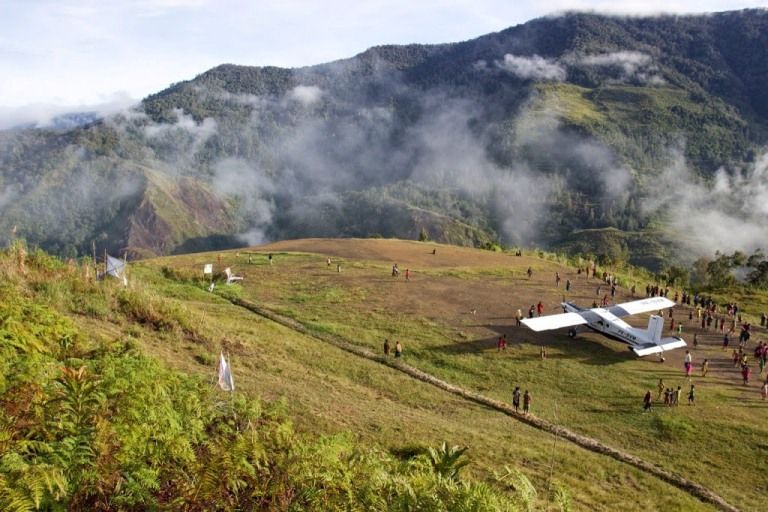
<point x="226" y="382"/>
<point x="115" y="267"/>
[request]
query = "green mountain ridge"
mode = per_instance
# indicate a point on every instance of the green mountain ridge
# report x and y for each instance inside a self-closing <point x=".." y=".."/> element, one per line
<point x="539" y="132"/>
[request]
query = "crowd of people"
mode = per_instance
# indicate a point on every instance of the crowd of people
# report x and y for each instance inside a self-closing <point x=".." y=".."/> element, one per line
<point x="709" y="317"/>
<point x="727" y="319"/>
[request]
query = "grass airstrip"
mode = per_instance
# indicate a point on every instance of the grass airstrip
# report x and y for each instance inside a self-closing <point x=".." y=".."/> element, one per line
<point x="448" y="316"/>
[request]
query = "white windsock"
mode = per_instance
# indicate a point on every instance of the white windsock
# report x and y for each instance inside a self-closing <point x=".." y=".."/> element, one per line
<point x="226" y="382"/>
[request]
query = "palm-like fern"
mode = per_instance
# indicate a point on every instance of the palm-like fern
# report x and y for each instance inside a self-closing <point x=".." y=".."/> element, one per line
<point x="447" y="460"/>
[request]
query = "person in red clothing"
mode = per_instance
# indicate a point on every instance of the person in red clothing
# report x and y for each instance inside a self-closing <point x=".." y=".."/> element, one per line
<point x="745" y="373"/>
<point x="540" y="308"/>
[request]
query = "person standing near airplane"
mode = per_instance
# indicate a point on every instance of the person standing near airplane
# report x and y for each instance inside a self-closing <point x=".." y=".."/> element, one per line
<point x="647" y="401"/>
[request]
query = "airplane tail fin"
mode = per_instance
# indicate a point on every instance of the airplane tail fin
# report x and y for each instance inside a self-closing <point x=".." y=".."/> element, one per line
<point x="657" y="344"/>
<point x="655" y="327"/>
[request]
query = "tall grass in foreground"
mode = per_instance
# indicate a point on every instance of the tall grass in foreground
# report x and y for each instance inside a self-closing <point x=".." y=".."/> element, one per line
<point x="91" y="425"/>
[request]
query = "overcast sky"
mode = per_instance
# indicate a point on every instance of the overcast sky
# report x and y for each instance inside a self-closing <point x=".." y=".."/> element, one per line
<point x="67" y="54"/>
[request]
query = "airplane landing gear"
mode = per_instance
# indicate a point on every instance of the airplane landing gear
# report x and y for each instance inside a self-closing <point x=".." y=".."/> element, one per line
<point x="572" y="332"/>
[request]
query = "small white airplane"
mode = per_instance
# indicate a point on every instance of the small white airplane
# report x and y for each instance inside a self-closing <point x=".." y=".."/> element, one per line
<point x="608" y="322"/>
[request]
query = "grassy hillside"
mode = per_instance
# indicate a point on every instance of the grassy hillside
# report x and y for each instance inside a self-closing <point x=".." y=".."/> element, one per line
<point x="92" y="419"/>
<point x="590" y="385"/>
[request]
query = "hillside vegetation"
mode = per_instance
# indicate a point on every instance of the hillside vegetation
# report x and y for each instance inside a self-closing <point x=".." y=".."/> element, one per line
<point x="314" y="427"/>
<point x="90" y="421"/>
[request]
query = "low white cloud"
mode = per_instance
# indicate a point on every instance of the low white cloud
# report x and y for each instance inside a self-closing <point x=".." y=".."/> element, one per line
<point x="633" y="65"/>
<point x="727" y="212"/>
<point x="534" y="67"/>
<point x="44" y="115"/>
<point x="306" y="94"/>
<point x="8" y="195"/>
<point x="234" y="177"/>
<point x="630" y="62"/>
<point x="200" y="131"/>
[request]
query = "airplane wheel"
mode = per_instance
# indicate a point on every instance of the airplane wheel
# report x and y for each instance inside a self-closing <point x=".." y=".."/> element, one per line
<point x="572" y="333"/>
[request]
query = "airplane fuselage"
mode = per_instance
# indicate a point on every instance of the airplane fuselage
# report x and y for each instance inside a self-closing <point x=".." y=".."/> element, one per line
<point x="612" y="326"/>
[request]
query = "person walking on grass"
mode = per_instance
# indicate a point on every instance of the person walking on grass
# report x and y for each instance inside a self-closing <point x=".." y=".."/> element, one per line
<point x="692" y="396"/>
<point x="516" y="399"/>
<point x="398" y="349"/>
<point x="704" y="368"/>
<point x="746" y="371"/>
<point x="386" y="347"/>
<point x="647" y="401"/>
<point x="526" y="402"/>
<point x="661" y="388"/>
<point x="764" y="389"/>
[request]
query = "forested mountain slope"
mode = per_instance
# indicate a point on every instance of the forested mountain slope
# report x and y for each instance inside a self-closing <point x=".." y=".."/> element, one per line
<point x="583" y="132"/>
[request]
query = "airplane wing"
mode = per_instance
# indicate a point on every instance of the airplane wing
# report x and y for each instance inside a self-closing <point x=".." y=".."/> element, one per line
<point x="546" y="323"/>
<point x="641" y="306"/>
